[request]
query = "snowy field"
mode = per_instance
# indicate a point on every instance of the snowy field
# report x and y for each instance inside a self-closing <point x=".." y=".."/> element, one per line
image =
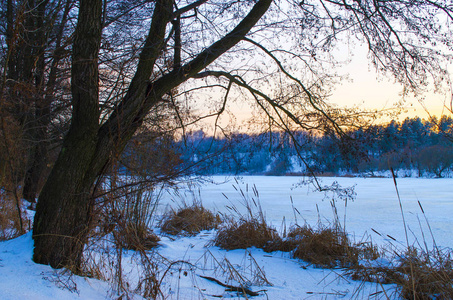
<point x="375" y="206"/>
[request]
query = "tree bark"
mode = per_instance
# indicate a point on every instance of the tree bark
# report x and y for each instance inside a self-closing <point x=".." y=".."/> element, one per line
<point x="63" y="210"/>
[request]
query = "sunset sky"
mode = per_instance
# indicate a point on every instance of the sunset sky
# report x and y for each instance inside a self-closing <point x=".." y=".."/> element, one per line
<point x="371" y="90"/>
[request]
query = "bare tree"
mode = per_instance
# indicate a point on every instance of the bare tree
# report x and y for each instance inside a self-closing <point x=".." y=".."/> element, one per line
<point x="34" y="49"/>
<point x="278" y="54"/>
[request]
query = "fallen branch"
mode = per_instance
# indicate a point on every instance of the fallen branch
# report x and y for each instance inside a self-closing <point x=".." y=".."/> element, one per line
<point x="232" y="288"/>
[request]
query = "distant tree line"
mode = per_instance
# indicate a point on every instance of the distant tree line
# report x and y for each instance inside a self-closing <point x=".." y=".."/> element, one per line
<point x="414" y="144"/>
<point x="423" y="147"/>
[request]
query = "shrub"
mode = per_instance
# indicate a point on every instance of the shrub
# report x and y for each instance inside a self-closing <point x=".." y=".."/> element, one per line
<point x="243" y="234"/>
<point x="129" y="213"/>
<point x="325" y="247"/>
<point x="12" y="217"/>
<point x="189" y="220"/>
<point x="134" y="237"/>
<point x="424" y="275"/>
<point x="417" y="274"/>
<point x="435" y="159"/>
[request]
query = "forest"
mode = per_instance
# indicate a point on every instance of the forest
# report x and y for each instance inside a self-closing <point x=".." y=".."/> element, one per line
<point x="416" y="147"/>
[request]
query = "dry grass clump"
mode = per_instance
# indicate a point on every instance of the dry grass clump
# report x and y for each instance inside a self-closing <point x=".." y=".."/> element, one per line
<point x="128" y="213"/>
<point x="189" y="220"/>
<point x="326" y="247"/>
<point x="418" y="274"/>
<point x="11" y="217"/>
<point x="133" y="237"/>
<point x="244" y="233"/>
<point x="425" y="275"/>
<point x="249" y="229"/>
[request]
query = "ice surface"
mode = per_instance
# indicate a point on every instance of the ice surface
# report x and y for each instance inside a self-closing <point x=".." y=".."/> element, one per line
<point x="376" y="206"/>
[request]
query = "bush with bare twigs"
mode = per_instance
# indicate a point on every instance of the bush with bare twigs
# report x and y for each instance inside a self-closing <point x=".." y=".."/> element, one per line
<point x="129" y="214"/>
<point x="123" y="220"/>
<point x="13" y="217"/>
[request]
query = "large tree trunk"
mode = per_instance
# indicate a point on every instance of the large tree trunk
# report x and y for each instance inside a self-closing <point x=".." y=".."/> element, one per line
<point x="65" y="203"/>
<point x="63" y="211"/>
<point x="64" y="208"/>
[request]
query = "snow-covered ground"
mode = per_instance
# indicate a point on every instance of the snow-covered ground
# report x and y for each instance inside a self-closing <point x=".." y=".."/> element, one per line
<point x="376" y="206"/>
<point x="21" y="278"/>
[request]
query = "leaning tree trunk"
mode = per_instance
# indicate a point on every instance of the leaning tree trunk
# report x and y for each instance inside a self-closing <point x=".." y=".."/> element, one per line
<point x="65" y="203"/>
<point x="64" y="208"/>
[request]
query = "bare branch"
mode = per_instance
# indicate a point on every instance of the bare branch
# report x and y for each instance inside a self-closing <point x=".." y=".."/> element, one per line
<point x="189" y="7"/>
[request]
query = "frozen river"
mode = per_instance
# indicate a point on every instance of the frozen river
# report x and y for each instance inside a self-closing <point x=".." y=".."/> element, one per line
<point x="375" y="206"/>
